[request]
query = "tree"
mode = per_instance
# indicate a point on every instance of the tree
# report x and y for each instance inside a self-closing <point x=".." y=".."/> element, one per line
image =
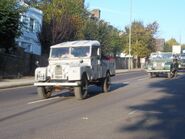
<point x="30" y="2"/>
<point x="183" y="46"/>
<point x="9" y="23"/>
<point x="106" y="34"/>
<point x="143" y="40"/>
<point x="63" y="20"/>
<point x="169" y="44"/>
<point x="66" y="20"/>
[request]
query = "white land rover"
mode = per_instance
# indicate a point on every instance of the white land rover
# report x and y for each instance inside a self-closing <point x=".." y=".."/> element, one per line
<point x="75" y="65"/>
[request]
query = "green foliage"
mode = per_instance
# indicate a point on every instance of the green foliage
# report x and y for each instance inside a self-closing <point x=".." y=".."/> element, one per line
<point x="66" y="20"/>
<point x="183" y="46"/>
<point x="142" y="38"/>
<point x="106" y="34"/>
<point x="9" y="23"/>
<point x="63" y="20"/>
<point x="169" y="44"/>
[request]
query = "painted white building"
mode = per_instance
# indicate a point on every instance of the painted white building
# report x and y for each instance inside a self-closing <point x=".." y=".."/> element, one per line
<point x="32" y="22"/>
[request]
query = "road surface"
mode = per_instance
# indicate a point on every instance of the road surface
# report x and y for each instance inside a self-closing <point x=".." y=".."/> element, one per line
<point x="136" y="108"/>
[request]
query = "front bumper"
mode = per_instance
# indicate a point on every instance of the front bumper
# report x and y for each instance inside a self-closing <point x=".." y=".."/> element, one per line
<point x="65" y="84"/>
<point x="158" y="71"/>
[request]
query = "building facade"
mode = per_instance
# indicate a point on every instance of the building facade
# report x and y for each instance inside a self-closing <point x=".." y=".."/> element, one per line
<point x="32" y="23"/>
<point x="96" y="13"/>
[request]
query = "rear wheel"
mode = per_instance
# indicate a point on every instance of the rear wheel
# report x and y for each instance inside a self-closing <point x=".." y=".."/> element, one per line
<point x="44" y="92"/>
<point x="82" y="90"/>
<point x="106" y="83"/>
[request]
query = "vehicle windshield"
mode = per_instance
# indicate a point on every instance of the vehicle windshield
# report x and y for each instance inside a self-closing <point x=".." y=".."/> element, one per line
<point x="161" y="56"/>
<point x="59" y="52"/>
<point x="80" y="51"/>
<point x="66" y="52"/>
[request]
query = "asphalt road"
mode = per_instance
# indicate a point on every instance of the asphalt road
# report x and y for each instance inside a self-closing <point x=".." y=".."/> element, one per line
<point x="136" y="108"/>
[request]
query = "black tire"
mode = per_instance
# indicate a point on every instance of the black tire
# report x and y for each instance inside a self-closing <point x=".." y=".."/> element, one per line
<point x="157" y="74"/>
<point x="82" y="90"/>
<point x="43" y="93"/>
<point x="106" y="83"/>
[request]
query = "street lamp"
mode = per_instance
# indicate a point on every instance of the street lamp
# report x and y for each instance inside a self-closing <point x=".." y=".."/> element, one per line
<point x="130" y="35"/>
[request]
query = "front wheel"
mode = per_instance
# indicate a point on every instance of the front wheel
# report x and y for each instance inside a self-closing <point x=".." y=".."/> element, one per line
<point x="170" y="75"/>
<point x="150" y="75"/>
<point x="82" y="90"/>
<point x="43" y="92"/>
<point x="106" y="83"/>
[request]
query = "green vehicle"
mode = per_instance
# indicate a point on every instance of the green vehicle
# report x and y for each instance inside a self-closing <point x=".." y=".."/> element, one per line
<point x="182" y="62"/>
<point x="162" y="63"/>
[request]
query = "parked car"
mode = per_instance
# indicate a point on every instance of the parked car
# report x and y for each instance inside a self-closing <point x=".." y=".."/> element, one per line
<point x="182" y="61"/>
<point x="75" y="65"/>
<point x="162" y="63"/>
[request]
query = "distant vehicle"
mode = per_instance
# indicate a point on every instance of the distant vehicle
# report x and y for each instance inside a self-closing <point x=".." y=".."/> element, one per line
<point x="182" y="61"/>
<point x="75" y="65"/>
<point x="162" y="63"/>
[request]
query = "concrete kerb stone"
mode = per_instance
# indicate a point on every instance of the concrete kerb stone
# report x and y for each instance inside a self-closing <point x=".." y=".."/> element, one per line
<point x="120" y="71"/>
<point x="10" y="83"/>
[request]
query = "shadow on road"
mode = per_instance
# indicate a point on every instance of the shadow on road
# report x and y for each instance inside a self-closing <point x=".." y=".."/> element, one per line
<point x="163" y="117"/>
<point x="92" y="91"/>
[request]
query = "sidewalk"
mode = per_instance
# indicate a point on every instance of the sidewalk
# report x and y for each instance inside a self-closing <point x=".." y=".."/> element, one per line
<point x="9" y="83"/>
<point x="29" y="80"/>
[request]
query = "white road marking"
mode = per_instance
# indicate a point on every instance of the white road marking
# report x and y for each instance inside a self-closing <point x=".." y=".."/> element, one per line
<point x="126" y="82"/>
<point x="141" y="79"/>
<point x="43" y="100"/>
<point x="132" y="112"/>
<point x="85" y="118"/>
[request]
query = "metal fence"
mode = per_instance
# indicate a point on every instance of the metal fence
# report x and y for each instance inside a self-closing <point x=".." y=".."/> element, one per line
<point x="19" y="65"/>
<point x="122" y="63"/>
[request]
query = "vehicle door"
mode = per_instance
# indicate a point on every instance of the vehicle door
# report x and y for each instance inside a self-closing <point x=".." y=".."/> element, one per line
<point x="96" y="62"/>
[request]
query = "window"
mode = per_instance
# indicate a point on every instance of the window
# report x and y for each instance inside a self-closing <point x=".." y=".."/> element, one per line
<point x="59" y="52"/>
<point x="26" y="46"/>
<point x="25" y="22"/>
<point x="37" y="26"/>
<point x="94" y="51"/>
<point x="31" y="24"/>
<point x="80" y="51"/>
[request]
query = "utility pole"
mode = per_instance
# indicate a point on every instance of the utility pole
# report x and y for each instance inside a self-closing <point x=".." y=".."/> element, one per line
<point x="130" y="35"/>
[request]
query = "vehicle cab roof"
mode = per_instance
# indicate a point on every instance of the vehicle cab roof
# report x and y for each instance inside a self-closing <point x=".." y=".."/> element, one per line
<point x="77" y="43"/>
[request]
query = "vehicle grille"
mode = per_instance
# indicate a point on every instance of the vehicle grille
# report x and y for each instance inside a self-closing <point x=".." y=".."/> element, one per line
<point x="159" y="66"/>
<point x="58" y="71"/>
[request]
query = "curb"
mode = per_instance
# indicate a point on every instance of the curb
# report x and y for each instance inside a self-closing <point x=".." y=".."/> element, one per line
<point x="126" y="71"/>
<point x="16" y="85"/>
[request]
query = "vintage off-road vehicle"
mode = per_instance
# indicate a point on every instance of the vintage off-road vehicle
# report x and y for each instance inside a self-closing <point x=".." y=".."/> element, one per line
<point x="182" y="62"/>
<point x="162" y="63"/>
<point x="75" y="65"/>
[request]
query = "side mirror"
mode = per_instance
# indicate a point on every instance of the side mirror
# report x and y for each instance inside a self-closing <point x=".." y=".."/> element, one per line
<point x="37" y="64"/>
<point x="81" y="61"/>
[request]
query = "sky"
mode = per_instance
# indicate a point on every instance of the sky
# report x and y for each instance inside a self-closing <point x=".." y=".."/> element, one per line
<point x="169" y="14"/>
